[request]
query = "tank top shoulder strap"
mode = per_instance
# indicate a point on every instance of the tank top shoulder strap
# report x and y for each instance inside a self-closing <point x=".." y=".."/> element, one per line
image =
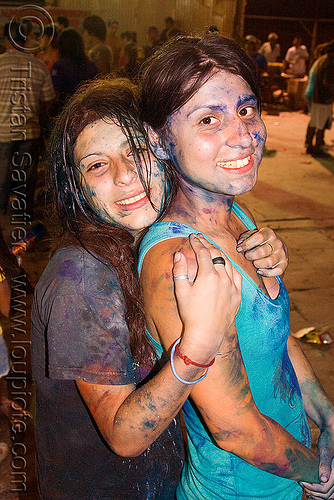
<point x="243" y="217"/>
<point x="161" y="231"/>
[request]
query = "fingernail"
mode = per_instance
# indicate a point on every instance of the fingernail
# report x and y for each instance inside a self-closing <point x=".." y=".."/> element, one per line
<point x="324" y="478"/>
<point x="259" y="272"/>
<point x="241" y="240"/>
<point x="239" y="248"/>
<point x="177" y="256"/>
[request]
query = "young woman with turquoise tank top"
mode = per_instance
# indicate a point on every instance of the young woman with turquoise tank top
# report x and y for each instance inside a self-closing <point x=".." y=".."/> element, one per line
<point x="247" y="426"/>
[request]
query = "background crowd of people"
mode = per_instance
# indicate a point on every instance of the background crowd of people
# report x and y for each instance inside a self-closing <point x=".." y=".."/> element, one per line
<point x="71" y="57"/>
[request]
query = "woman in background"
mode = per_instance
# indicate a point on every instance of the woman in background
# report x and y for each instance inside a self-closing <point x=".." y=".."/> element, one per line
<point x="72" y="67"/>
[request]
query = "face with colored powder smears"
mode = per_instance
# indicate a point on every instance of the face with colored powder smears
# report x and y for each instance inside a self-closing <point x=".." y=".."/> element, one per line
<point x="216" y="138"/>
<point x="111" y="184"/>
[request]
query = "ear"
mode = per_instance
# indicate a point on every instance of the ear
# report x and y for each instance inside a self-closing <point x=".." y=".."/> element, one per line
<point x="155" y="142"/>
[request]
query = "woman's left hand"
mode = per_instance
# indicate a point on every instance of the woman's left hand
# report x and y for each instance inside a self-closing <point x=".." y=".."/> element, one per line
<point x="324" y="489"/>
<point x="321" y="490"/>
<point x="266" y="250"/>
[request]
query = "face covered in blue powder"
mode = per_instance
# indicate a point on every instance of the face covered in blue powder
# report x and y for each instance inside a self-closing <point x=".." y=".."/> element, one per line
<point x="216" y="139"/>
<point x="111" y="184"/>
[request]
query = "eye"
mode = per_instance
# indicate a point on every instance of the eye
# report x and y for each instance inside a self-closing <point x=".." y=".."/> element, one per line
<point x="209" y="120"/>
<point x="247" y="111"/>
<point x="139" y="149"/>
<point x="96" y="166"/>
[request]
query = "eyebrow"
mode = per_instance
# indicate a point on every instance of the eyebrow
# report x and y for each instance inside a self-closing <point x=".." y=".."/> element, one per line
<point x="245" y="98"/>
<point x="97" y="153"/>
<point x="211" y="107"/>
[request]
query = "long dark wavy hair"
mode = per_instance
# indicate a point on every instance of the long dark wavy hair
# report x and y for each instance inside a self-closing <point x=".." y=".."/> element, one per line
<point x="78" y="224"/>
<point x="71" y="45"/>
<point x="172" y="75"/>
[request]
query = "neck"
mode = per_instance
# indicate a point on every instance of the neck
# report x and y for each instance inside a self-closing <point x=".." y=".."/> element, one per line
<point x="207" y="211"/>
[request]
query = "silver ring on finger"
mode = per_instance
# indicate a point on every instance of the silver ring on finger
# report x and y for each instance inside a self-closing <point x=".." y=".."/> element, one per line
<point x="271" y="248"/>
<point x="218" y="260"/>
<point x="181" y="277"/>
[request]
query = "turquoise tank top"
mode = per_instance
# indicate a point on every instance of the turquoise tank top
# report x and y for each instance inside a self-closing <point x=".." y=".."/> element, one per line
<point x="263" y="328"/>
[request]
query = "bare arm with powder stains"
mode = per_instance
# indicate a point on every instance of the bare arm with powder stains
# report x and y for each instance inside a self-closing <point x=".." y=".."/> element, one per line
<point x="319" y="408"/>
<point x="131" y="419"/>
<point x="241" y="428"/>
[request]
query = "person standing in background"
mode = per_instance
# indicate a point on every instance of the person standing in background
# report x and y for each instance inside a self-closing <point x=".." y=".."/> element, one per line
<point x="251" y="45"/>
<point x="296" y="58"/>
<point x="49" y="44"/>
<point x="271" y="50"/>
<point x="94" y="36"/>
<point x="169" y="31"/>
<point x="62" y="22"/>
<point x="73" y="66"/>
<point x="153" y="39"/>
<point x="128" y="57"/>
<point x="25" y="93"/>
<point x="113" y="41"/>
<point x="320" y="97"/>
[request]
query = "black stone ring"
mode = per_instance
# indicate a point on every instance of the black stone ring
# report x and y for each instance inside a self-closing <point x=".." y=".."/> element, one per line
<point x="218" y="260"/>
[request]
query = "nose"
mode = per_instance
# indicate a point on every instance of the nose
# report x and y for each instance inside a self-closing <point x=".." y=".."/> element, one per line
<point x="125" y="172"/>
<point x="237" y="134"/>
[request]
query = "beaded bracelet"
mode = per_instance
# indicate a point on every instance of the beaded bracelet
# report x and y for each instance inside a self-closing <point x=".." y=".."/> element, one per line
<point x="172" y="354"/>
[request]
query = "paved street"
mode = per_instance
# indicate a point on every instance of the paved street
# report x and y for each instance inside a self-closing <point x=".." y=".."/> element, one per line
<point x="294" y="195"/>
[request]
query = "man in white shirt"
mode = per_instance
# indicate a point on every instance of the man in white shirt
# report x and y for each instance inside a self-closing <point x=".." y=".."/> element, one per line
<point x="25" y="92"/>
<point x="271" y="50"/>
<point x="296" y="58"/>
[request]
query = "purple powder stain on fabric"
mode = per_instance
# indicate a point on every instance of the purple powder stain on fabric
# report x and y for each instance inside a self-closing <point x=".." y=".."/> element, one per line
<point x="176" y="228"/>
<point x="67" y="314"/>
<point x="105" y="358"/>
<point x="70" y="270"/>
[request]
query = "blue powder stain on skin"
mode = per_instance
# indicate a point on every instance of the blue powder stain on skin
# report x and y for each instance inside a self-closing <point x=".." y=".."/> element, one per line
<point x="229" y="204"/>
<point x="259" y="137"/>
<point x="70" y="270"/>
<point x="219" y="107"/>
<point x="149" y="424"/>
<point x="208" y="197"/>
<point x="246" y="98"/>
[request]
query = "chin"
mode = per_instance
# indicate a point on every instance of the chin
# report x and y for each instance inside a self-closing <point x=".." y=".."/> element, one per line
<point x="246" y="186"/>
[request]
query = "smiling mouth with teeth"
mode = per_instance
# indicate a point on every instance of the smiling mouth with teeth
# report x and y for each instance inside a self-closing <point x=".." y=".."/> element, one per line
<point x="234" y="164"/>
<point x="129" y="201"/>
